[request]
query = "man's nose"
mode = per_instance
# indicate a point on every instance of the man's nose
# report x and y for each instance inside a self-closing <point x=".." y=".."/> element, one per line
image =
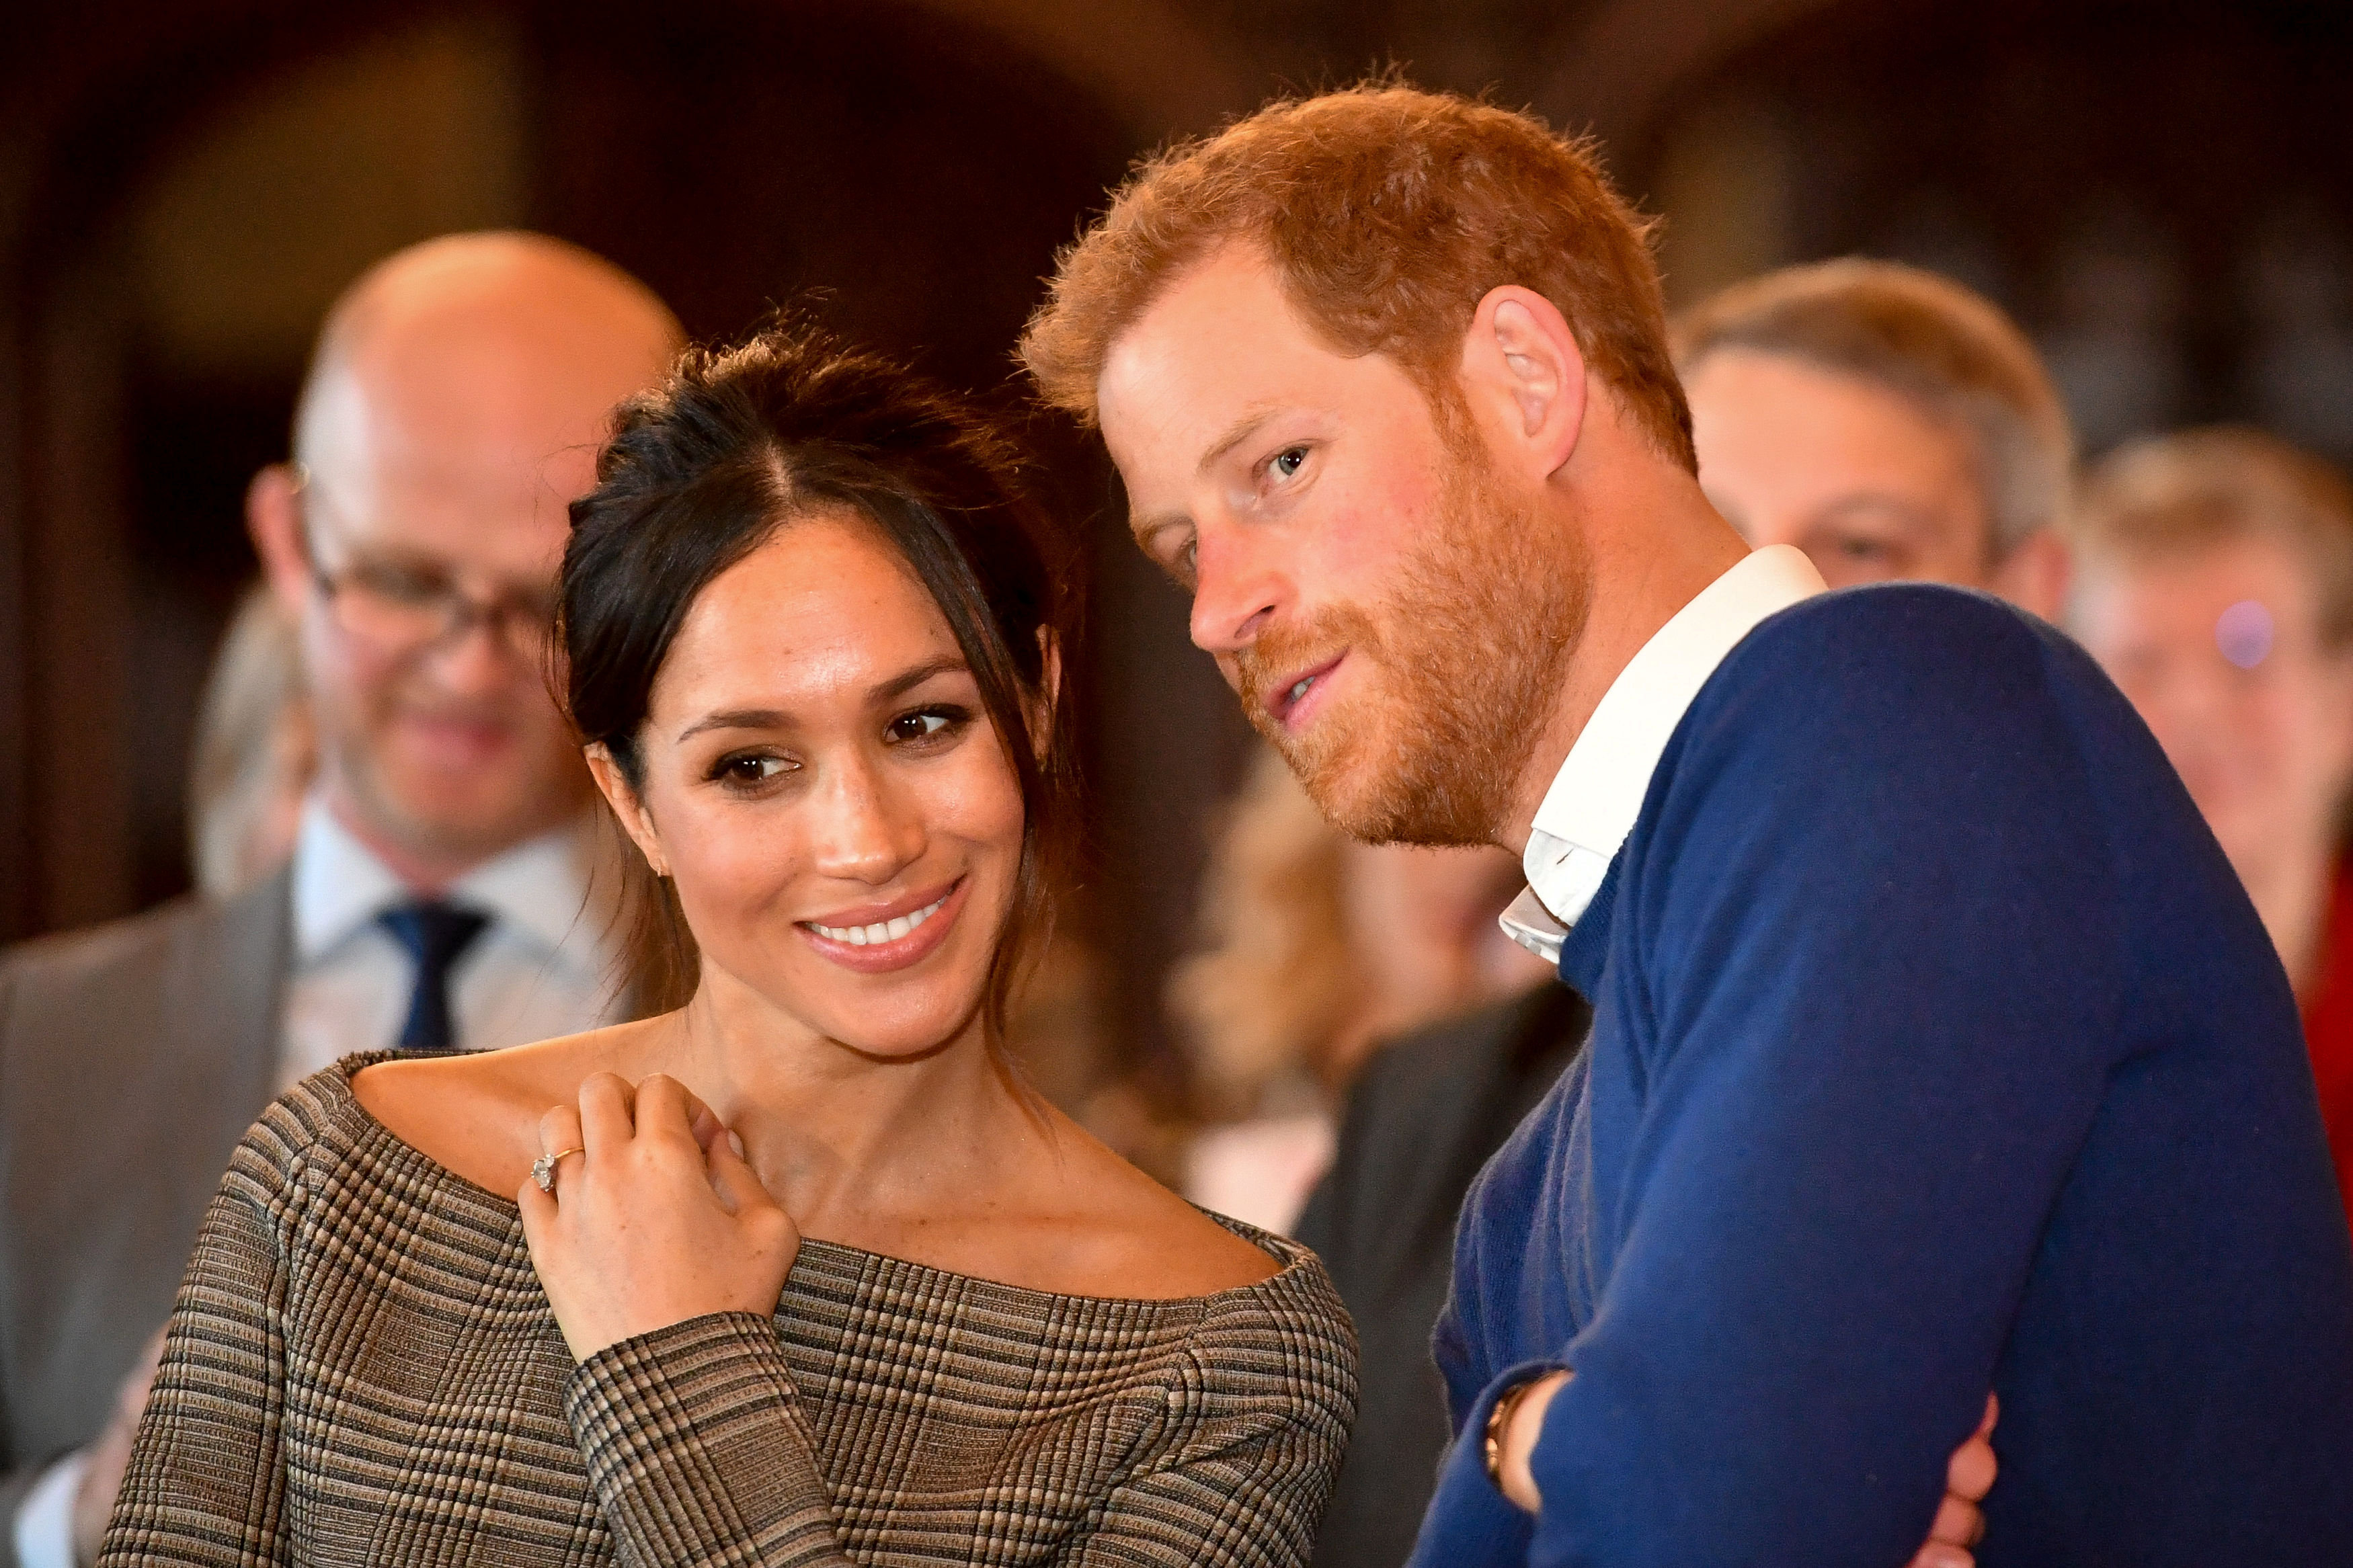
<point x="476" y="658"/>
<point x="1238" y="586"/>
<point x="864" y="831"/>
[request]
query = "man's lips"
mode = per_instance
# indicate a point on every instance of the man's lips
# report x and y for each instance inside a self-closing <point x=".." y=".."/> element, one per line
<point x="462" y="737"/>
<point x="875" y="938"/>
<point x="1287" y="701"/>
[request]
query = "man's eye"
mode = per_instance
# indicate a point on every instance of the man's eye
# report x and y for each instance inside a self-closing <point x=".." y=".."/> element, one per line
<point x="1288" y="461"/>
<point x="400" y="584"/>
<point x="750" y="769"/>
<point x="924" y="726"/>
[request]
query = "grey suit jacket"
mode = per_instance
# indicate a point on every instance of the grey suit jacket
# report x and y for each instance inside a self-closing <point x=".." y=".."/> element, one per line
<point x="1423" y="1118"/>
<point x="132" y="1057"/>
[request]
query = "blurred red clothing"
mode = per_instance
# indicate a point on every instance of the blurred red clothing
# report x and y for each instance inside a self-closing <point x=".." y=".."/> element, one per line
<point x="2328" y="1029"/>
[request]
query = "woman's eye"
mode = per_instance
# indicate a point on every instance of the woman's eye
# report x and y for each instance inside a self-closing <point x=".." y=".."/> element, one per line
<point x="1288" y="462"/>
<point x="750" y="770"/>
<point x="923" y="726"/>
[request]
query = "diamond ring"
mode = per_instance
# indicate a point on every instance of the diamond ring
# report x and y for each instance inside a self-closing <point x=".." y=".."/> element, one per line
<point x="543" y="1170"/>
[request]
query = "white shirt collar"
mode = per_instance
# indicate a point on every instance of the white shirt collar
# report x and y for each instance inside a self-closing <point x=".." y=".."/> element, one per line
<point x="539" y="889"/>
<point x="1598" y="794"/>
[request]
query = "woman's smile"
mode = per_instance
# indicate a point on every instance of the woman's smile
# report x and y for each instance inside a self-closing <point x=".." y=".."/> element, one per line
<point x="876" y="939"/>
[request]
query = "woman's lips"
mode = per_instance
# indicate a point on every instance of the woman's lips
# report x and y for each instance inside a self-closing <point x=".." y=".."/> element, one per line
<point x="883" y="942"/>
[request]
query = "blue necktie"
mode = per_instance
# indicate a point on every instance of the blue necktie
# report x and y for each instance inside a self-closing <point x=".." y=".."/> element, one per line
<point x="435" y="933"/>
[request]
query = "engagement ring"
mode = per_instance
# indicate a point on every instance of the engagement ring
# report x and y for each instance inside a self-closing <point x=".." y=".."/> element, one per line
<point x="543" y="1170"/>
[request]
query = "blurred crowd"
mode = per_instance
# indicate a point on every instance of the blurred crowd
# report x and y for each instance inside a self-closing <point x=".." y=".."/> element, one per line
<point x="393" y="845"/>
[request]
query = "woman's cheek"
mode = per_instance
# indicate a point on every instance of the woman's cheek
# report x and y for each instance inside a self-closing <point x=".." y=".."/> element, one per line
<point x="734" y="875"/>
<point x="980" y="801"/>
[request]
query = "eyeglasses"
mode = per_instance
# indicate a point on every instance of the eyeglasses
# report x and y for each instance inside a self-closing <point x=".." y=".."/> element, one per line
<point x="409" y="607"/>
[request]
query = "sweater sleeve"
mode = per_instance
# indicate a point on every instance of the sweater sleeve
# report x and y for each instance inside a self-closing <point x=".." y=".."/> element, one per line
<point x="698" y="1453"/>
<point x="1876" y="948"/>
<point x="205" y="1483"/>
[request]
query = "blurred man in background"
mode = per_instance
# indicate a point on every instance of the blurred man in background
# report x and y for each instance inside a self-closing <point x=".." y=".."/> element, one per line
<point x="439" y="895"/>
<point x="1892" y="424"/>
<point x="2215" y="584"/>
<point x="1888" y="421"/>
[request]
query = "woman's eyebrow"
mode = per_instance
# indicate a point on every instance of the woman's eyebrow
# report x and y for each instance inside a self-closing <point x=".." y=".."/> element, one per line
<point x="735" y="719"/>
<point x="777" y="719"/>
<point x="900" y="685"/>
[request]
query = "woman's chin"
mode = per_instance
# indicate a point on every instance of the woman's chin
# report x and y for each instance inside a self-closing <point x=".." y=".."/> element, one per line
<point x="910" y="1031"/>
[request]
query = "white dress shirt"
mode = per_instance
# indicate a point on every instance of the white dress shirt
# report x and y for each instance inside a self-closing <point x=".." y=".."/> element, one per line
<point x="545" y="965"/>
<point x="1598" y="794"/>
<point x="541" y="967"/>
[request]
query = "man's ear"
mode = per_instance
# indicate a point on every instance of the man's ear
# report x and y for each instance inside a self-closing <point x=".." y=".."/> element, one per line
<point x="635" y="820"/>
<point x="273" y="520"/>
<point x="2034" y="574"/>
<point x="1524" y="376"/>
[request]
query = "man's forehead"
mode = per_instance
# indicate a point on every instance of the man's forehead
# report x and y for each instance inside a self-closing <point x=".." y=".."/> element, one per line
<point x="1221" y="340"/>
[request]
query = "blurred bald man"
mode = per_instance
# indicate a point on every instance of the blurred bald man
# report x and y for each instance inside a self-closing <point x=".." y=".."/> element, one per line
<point x="440" y="895"/>
<point x="1890" y="423"/>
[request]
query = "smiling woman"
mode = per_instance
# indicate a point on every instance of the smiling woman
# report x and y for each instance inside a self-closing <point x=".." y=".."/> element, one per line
<point x="797" y="1273"/>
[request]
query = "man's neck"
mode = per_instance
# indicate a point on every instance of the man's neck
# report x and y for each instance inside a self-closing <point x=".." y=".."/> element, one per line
<point x="1654" y="543"/>
<point x="425" y="871"/>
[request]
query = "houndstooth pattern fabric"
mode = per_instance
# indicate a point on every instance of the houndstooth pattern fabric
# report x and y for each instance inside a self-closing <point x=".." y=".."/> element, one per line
<point x="363" y="1369"/>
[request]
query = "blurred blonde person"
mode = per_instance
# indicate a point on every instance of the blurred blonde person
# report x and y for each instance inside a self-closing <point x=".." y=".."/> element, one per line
<point x="2215" y="584"/>
<point x="254" y="753"/>
<point x="1316" y="949"/>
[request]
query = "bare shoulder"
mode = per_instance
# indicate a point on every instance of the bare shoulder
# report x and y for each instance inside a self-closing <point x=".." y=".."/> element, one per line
<point x="1148" y="1241"/>
<point x="478" y="1116"/>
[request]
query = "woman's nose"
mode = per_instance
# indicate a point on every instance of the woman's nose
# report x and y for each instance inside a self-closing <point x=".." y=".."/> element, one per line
<point x="865" y="831"/>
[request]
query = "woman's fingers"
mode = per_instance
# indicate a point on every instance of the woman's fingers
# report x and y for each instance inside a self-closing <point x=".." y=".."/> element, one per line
<point x="560" y="1130"/>
<point x="665" y="1109"/>
<point x="538" y="1214"/>
<point x="732" y="1176"/>
<point x="702" y="1121"/>
<point x="606" y="1119"/>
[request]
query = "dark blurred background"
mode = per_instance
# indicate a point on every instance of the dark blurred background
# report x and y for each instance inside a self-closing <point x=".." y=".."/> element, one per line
<point x="2164" y="193"/>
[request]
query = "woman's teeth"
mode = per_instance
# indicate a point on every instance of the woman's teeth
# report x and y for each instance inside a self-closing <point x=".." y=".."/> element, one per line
<point x="881" y="930"/>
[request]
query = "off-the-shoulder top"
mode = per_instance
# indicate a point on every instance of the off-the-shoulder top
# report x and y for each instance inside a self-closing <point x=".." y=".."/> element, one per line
<point x="361" y="1368"/>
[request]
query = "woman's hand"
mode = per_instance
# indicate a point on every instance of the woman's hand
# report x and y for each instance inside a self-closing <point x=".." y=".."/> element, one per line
<point x="657" y="1220"/>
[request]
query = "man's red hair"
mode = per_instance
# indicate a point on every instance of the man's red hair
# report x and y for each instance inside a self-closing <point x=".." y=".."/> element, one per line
<point x="1389" y="213"/>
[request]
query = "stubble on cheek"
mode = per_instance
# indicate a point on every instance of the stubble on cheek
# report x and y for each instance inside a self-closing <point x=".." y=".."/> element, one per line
<point x="1426" y="740"/>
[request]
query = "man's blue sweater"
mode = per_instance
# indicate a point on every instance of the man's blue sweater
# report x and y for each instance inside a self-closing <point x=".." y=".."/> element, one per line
<point x="1935" y="1049"/>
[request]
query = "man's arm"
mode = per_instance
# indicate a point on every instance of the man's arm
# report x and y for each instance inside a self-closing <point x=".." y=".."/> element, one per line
<point x="1957" y="1529"/>
<point x="1880" y="953"/>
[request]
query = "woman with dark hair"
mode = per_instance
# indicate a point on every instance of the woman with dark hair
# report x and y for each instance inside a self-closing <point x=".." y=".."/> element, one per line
<point x="800" y="1273"/>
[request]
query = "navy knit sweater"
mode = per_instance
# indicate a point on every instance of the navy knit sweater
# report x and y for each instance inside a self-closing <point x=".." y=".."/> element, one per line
<point x="1935" y="1049"/>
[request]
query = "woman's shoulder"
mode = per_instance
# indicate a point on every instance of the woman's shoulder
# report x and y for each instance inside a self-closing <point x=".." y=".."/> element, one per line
<point x="1174" y="1250"/>
<point x="1281" y="1347"/>
<point x="1136" y="1238"/>
<point x="477" y="1116"/>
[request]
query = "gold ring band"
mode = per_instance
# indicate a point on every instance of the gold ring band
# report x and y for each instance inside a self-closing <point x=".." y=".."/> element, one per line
<point x="543" y="1170"/>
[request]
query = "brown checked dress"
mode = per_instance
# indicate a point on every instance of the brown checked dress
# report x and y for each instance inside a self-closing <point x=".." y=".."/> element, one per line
<point x="363" y="1369"/>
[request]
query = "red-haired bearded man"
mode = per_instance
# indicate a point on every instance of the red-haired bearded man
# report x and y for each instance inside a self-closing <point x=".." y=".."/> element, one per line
<point x="1935" y="1048"/>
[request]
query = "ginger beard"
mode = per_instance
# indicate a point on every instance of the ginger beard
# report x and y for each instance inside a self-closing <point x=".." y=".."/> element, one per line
<point x="1458" y="669"/>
